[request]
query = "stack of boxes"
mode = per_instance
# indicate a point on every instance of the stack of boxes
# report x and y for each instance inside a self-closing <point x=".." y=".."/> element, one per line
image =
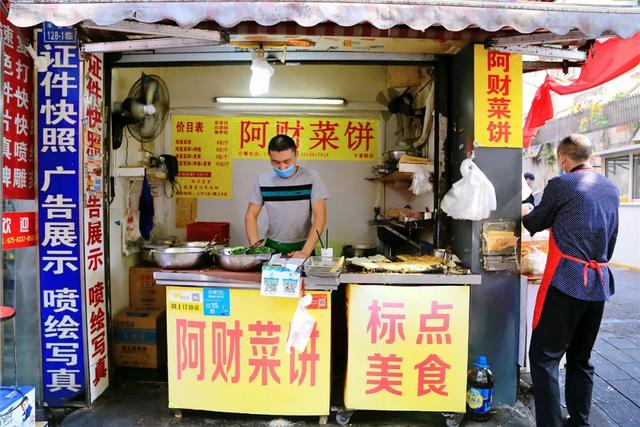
<point x="140" y="330"/>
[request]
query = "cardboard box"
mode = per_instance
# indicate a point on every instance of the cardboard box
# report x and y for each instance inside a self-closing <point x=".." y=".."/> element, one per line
<point x="140" y="338"/>
<point x="414" y="167"/>
<point x="17" y="409"/>
<point x="143" y="291"/>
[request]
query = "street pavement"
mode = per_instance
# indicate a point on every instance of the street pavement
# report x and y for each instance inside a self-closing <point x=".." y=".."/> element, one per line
<point x="616" y="397"/>
<point x="616" y="356"/>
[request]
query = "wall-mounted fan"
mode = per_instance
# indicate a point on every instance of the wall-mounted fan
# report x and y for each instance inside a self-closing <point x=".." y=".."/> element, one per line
<point x="144" y="112"/>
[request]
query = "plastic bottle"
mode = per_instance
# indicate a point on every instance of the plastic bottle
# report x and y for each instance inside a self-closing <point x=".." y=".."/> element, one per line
<point x="479" y="390"/>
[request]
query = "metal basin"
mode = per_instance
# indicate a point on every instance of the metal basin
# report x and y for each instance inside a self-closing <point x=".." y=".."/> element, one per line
<point x="147" y="251"/>
<point x="241" y="262"/>
<point x="180" y="258"/>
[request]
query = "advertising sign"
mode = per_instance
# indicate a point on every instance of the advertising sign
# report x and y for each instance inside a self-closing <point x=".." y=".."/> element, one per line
<point x="18" y="230"/>
<point x="205" y="145"/>
<point x="497" y="98"/>
<point x="407" y="348"/>
<point x="59" y="201"/>
<point x="17" y="137"/>
<point x="93" y="186"/>
<point x="231" y="344"/>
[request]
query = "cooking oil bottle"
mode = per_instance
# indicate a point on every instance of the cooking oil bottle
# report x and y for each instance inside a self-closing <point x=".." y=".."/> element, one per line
<point x="479" y="390"/>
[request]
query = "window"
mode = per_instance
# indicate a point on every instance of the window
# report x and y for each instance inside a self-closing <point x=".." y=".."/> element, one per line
<point x="617" y="170"/>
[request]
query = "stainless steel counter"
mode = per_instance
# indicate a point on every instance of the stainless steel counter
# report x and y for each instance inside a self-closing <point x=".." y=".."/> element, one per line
<point x="227" y="279"/>
<point x="411" y="279"/>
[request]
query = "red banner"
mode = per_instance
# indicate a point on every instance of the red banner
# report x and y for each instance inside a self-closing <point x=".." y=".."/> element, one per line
<point x="18" y="230"/>
<point x="17" y="143"/>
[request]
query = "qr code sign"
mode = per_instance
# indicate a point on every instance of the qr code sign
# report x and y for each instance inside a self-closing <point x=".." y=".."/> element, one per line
<point x="270" y="286"/>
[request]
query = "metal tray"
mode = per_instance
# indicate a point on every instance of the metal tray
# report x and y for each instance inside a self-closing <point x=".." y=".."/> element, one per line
<point x="321" y="266"/>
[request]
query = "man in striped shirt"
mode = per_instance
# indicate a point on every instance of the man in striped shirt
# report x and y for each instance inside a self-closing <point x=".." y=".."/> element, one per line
<point x="295" y="200"/>
<point x="581" y="208"/>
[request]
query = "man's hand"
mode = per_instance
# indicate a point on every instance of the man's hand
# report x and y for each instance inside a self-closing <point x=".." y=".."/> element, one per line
<point x="526" y="209"/>
<point x="298" y="254"/>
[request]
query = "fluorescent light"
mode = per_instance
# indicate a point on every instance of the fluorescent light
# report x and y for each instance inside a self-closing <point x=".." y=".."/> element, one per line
<point x="282" y="101"/>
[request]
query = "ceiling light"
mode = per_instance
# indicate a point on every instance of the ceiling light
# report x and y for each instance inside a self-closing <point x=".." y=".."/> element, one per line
<point x="279" y="101"/>
<point x="261" y="73"/>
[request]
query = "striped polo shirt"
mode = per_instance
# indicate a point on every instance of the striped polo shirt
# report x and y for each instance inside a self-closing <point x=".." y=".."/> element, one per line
<point x="288" y="203"/>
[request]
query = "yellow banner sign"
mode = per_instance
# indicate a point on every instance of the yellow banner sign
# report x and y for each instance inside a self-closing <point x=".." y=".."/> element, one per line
<point x="407" y="348"/>
<point x="325" y="138"/>
<point x="497" y="98"/>
<point x="204" y="160"/>
<point x="230" y="355"/>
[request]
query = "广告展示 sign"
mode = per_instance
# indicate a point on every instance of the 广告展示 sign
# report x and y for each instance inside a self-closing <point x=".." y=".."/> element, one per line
<point x="407" y="348"/>
<point x="231" y="344"/>
<point x="497" y="98"/>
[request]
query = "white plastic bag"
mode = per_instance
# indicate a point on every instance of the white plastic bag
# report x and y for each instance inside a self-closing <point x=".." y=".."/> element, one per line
<point x="420" y="183"/>
<point x="534" y="262"/>
<point x="473" y="197"/>
<point x="301" y="326"/>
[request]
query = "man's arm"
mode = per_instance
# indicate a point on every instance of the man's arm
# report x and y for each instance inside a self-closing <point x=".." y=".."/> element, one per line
<point x="251" y="222"/>
<point x="542" y="216"/>
<point x="319" y="212"/>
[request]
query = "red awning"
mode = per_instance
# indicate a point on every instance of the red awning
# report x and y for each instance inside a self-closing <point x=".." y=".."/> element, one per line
<point x="454" y="15"/>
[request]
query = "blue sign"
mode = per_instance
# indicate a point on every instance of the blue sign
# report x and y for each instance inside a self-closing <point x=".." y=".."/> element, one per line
<point x="59" y="204"/>
<point x="216" y="302"/>
<point x="53" y="34"/>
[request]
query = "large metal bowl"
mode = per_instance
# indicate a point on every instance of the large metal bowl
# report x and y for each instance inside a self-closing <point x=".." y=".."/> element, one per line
<point x="180" y="258"/>
<point x="394" y="155"/>
<point x="241" y="262"/>
<point x="148" y="248"/>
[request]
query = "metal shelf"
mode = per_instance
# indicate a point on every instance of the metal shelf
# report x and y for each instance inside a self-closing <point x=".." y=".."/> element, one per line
<point x="393" y="177"/>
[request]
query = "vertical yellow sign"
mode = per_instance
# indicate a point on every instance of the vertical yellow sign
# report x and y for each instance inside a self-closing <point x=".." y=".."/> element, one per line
<point x="204" y="158"/>
<point x="497" y="78"/>
<point x="227" y="353"/>
<point x="407" y="347"/>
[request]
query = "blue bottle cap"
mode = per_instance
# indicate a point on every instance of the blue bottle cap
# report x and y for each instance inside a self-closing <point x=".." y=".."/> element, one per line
<point x="481" y="362"/>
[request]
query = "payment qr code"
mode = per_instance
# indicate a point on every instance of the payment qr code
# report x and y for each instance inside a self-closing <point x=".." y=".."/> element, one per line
<point x="270" y="286"/>
<point x="290" y="286"/>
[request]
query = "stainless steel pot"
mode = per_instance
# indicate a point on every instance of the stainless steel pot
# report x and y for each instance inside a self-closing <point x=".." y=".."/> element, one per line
<point x="147" y="248"/>
<point x="366" y="250"/>
<point x="180" y="258"/>
<point x="394" y="155"/>
<point x="241" y="262"/>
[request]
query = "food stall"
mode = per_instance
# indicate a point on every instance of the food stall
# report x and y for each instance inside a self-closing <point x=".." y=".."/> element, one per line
<point x="225" y="339"/>
<point x="447" y="116"/>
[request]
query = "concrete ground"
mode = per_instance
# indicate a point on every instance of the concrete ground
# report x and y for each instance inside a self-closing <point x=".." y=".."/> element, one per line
<point x="616" y="397"/>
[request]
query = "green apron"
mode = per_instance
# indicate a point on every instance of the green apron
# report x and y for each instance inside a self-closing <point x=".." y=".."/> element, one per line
<point x="284" y="248"/>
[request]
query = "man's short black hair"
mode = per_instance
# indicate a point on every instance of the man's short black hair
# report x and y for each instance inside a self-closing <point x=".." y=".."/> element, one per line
<point x="282" y="143"/>
<point x="530" y="176"/>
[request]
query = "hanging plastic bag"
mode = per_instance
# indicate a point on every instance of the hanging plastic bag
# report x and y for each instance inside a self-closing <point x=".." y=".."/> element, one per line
<point x="301" y="326"/>
<point x="420" y="183"/>
<point x="473" y="197"/>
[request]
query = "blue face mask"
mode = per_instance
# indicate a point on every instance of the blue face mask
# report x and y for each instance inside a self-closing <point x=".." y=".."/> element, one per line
<point x="288" y="172"/>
